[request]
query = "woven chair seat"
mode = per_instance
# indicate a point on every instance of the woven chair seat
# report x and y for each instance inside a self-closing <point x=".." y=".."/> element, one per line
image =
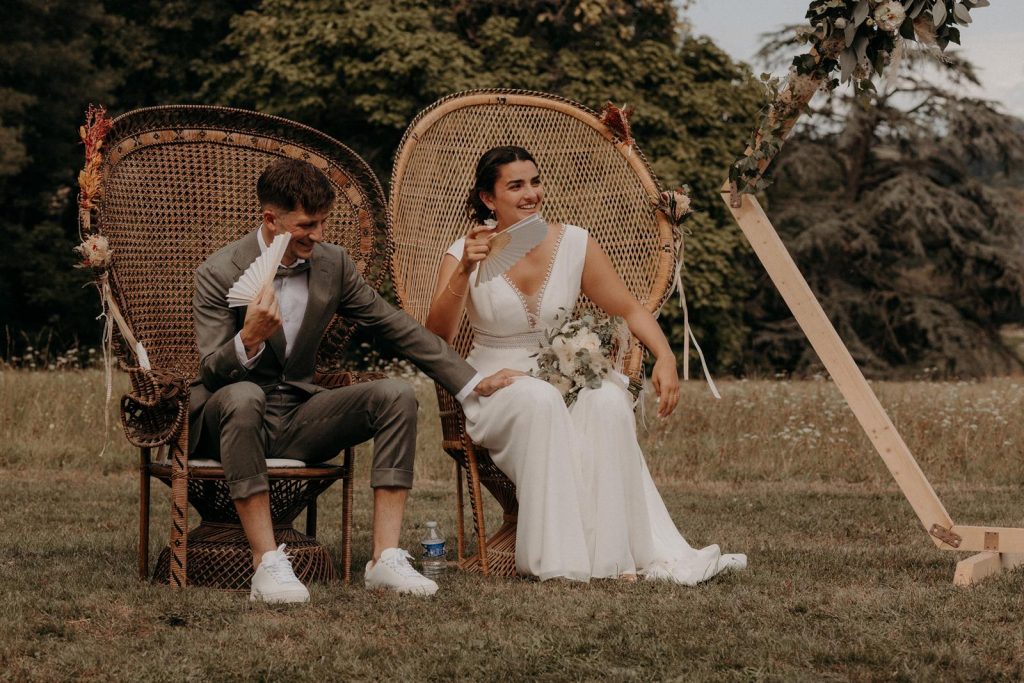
<point x="592" y="179"/>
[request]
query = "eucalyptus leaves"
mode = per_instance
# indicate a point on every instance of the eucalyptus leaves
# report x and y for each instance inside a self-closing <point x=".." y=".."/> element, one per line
<point x="857" y="38"/>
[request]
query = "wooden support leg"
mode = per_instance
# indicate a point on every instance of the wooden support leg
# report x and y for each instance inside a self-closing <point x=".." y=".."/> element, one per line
<point x="840" y="365"/>
<point x="347" y="501"/>
<point x="868" y="410"/>
<point x="311" y="519"/>
<point x="981" y="566"/>
<point x="460" y="517"/>
<point x="144" y="514"/>
<point x="476" y="501"/>
<point x="178" y="576"/>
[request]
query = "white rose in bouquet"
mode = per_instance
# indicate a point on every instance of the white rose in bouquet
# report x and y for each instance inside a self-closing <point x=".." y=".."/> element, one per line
<point x="588" y="340"/>
<point x="565" y="352"/>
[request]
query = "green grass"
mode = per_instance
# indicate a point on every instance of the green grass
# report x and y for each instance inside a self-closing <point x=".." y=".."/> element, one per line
<point x="842" y="585"/>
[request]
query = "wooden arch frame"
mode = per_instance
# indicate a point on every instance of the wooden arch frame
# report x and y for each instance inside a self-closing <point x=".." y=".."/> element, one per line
<point x="997" y="548"/>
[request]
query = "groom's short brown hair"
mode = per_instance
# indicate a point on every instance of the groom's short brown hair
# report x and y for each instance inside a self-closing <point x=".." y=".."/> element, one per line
<point x="292" y="183"/>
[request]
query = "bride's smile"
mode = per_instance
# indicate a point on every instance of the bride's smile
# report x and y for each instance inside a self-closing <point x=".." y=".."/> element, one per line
<point x="518" y="193"/>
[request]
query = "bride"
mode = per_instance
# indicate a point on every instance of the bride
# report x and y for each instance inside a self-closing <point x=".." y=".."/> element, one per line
<point x="588" y="507"/>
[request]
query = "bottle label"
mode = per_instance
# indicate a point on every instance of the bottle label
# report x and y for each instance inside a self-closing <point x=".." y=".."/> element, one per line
<point x="433" y="549"/>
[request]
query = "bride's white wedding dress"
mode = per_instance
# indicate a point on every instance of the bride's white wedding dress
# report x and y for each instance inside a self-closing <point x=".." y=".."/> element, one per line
<point x="588" y="507"/>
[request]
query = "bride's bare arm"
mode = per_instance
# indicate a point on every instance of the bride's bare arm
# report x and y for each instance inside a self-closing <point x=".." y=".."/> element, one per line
<point x="449" y="299"/>
<point x="453" y="285"/>
<point x="606" y="289"/>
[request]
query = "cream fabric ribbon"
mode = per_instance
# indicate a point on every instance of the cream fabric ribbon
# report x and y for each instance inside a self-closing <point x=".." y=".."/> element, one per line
<point x="112" y="314"/>
<point x="688" y="336"/>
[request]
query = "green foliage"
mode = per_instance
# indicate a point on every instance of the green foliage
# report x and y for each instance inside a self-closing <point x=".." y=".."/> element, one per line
<point x="59" y="56"/>
<point x="48" y="73"/>
<point x="916" y="260"/>
<point x="859" y="38"/>
<point x="362" y="71"/>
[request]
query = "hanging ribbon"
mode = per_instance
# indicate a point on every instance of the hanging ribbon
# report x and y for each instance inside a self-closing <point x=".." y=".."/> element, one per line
<point x="111" y="312"/>
<point x="688" y="335"/>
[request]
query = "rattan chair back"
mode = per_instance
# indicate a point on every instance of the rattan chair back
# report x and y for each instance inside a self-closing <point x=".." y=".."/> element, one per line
<point x="179" y="183"/>
<point x="591" y="178"/>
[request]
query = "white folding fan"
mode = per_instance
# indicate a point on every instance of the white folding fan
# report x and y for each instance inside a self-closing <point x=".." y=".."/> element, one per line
<point x="259" y="273"/>
<point x="510" y="245"/>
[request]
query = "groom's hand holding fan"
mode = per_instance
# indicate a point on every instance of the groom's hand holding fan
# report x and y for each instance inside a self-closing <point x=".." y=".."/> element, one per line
<point x="262" y="320"/>
<point x="255" y="290"/>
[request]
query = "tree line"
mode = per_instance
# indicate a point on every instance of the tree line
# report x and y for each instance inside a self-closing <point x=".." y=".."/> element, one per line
<point x="361" y="70"/>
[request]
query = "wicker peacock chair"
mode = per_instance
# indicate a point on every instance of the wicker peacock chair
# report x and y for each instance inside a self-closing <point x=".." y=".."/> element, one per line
<point x="178" y="183"/>
<point x="593" y="178"/>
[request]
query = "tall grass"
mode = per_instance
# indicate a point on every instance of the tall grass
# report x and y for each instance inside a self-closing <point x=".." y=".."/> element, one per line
<point x="843" y="583"/>
<point x="962" y="432"/>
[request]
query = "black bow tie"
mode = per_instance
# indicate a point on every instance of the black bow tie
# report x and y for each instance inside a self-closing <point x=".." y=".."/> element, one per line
<point x="284" y="271"/>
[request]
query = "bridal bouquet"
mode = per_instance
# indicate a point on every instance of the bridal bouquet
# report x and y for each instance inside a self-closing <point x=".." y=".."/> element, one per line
<point x="578" y="354"/>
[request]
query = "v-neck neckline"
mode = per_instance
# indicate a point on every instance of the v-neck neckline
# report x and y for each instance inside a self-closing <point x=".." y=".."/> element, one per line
<point x="533" y="316"/>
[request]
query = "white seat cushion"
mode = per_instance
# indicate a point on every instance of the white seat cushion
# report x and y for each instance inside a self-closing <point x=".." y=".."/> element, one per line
<point x="272" y="463"/>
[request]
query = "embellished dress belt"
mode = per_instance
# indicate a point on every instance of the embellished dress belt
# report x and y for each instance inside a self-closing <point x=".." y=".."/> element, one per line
<point x="525" y="340"/>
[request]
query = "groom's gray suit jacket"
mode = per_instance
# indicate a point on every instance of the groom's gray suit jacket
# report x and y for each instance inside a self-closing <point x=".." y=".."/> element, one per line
<point x="335" y="286"/>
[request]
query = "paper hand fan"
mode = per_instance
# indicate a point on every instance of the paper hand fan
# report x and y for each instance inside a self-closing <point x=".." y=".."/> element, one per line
<point x="259" y="273"/>
<point x="510" y="245"/>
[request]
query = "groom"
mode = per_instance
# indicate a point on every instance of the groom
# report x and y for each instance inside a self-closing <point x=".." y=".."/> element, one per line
<point x="254" y="397"/>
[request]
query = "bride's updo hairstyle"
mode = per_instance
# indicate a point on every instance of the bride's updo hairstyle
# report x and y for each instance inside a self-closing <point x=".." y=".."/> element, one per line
<point x="487" y="170"/>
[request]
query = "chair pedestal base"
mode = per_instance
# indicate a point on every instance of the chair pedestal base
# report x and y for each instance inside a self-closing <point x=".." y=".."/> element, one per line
<point x="501" y="553"/>
<point x="219" y="557"/>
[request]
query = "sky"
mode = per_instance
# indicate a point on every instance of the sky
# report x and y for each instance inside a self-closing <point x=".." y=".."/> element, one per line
<point x="994" y="42"/>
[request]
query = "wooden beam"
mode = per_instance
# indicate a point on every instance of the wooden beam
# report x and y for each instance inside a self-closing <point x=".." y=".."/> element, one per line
<point x="976" y="568"/>
<point x="990" y="538"/>
<point x="839" y="363"/>
<point x="983" y="565"/>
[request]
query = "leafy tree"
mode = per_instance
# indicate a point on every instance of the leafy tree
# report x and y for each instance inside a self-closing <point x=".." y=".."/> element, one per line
<point x="361" y="71"/>
<point x="60" y="56"/>
<point x="47" y="75"/>
<point x="916" y="259"/>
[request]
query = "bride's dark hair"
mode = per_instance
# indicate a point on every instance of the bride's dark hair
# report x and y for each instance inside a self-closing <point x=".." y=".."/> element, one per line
<point x="487" y="170"/>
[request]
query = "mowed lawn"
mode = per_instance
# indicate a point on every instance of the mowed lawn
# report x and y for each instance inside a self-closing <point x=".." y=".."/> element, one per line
<point x="843" y="583"/>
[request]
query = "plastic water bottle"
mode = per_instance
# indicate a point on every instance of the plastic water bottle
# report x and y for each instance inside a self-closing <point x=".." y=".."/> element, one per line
<point x="433" y="562"/>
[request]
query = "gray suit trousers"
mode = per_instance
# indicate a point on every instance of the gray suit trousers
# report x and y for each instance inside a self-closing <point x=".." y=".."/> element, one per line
<point x="243" y="425"/>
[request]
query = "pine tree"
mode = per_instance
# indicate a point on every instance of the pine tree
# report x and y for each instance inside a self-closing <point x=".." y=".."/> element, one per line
<point x="894" y="206"/>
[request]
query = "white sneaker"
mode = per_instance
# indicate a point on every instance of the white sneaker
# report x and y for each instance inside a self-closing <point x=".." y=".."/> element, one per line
<point x="274" y="580"/>
<point x="393" y="572"/>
